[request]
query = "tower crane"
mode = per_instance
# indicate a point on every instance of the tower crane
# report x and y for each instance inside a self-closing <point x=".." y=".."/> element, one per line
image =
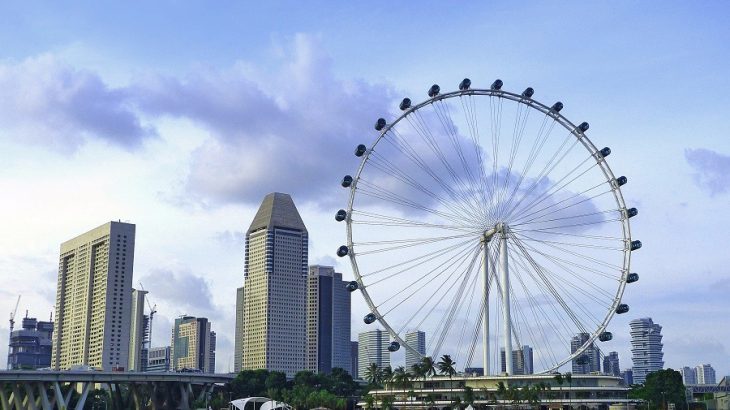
<point x="153" y="310"/>
<point x="13" y="313"/>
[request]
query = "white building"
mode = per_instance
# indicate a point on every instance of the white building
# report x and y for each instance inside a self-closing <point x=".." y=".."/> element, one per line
<point x="416" y="340"/>
<point x="372" y="347"/>
<point x="139" y="332"/>
<point x="93" y="295"/>
<point x="646" y="348"/>
<point x="275" y="288"/>
<point x="689" y="376"/>
<point x="705" y="374"/>
<point x="328" y="320"/>
<point x="239" y="335"/>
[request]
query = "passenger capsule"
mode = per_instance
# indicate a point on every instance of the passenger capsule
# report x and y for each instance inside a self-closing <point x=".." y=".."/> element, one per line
<point x="605" y="152"/>
<point x="528" y="93"/>
<point x="360" y="150"/>
<point x="465" y="84"/>
<point x="369" y="318"/>
<point x="346" y="181"/>
<point x="632" y="277"/>
<point x="434" y="90"/>
<point x="394" y="346"/>
<point x="583" y="127"/>
<point x="635" y="245"/>
<point x="557" y="106"/>
<point x="341" y="215"/>
<point x="342" y="251"/>
<point x="380" y="124"/>
<point x="497" y="84"/>
<point x="622" y="308"/>
<point x="352" y="286"/>
<point x="405" y="104"/>
<point x="605" y="336"/>
<point x="632" y="212"/>
<point x="621" y="181"/>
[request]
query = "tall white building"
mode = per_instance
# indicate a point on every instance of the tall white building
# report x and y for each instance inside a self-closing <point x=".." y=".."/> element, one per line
<point x="139" y="332"/>
<point x="689" y="376"/>
<point x="646" y="348"/>
<point x="275" y="288"/>
<point x="705" y="374"/>
<point x="93" y="294"/>
<point x="238" y="336"/>
<point x="372" y="347"/>
<point x="328" y="320"/>
<point x="416" y="340"/>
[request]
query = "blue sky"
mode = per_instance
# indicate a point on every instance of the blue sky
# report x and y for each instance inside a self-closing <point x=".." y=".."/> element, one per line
<point x="164" y="113"/>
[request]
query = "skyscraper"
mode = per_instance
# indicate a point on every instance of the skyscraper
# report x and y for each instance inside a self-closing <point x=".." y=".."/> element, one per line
<point x="275" y="288"/>
<point x="92" y="299"/>
<point x="30" y="347"/>
<point x="646" y="348"/>
<point x="139" y="332"/>
<point x="328" y="320"/>
<point x="705" y="374"/>
<point x="611" y="364"/>
<point x="372" y="348"/>
<point x="590" y="360"/>
<point x="238" y="336"/>
<point x="354" y="360"/>
<point x="689" y="376"/>
<point x="159" y="359"/>
<point x="416" y="340"/>
<point x="521" y="360"/>
<point x="192" y="344"/>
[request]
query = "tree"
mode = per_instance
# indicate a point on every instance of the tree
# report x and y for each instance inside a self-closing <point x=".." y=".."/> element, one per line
<point x="429" y="367"/>
<point x="373" y="374"/>
<point x="469" y="395"/>
<point x="661" y="388"/>
<point x="447" y="366"/>
<point x="569" y="379"/>
<point x="501" y="391"/>
<point x="559" y="380"/>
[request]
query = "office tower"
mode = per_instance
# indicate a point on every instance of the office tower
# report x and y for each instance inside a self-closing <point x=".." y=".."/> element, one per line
<point x="139" y="332"/>
<point x="522" y="360"/>
<point x="372" y="348"/>
<point x="211" y="352"/>
<point x="92" y="299"/>
<point x="30" y="346"/>
<point x="158" y="359"/>
<point x="611" y="364"/>
<point x="328" y="320"/>
<point x="276" y="288"/>
<point x="238" y="336"/>
<point x="353" y="360"/>
<point x="646" y="348"/>
<point x="705" y="374"/>
<point x="590" y="360"/>
<point x="192" y="345"/>
<point x="416" y="340"/>
<point x="628" y="376"/>
<point x="689" y="376"/>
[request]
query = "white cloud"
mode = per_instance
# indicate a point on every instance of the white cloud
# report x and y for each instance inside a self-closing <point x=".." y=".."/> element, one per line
<point x="712" y="170"/>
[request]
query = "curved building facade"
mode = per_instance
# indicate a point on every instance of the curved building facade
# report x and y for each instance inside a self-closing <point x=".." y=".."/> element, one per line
<point x="646" y="348"/>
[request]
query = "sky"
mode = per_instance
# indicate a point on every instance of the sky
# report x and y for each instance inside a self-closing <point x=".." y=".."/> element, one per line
<point x="180" y="116"/>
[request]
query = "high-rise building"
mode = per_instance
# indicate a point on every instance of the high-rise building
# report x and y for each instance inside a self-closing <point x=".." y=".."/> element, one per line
<point x="705" y="374"/>
<point x="611" y="364"/>
<point x="372" y="348"/>
<point x="646" y="348"/>
<point x="328" y="320"/>
<point x="628" y="376"/>
<point x="590" y="360"/>
<point x="416" y="340"/>
<point x="192" y="345"/>
<point x="276" y="288"/>
<point x="159" y="359"/>
<point x="689" y="376"/>
<point x="30" y="346"/>
<point x="354" y="360"/>
<point x="139" y="333"/>
<point x="211" y="352"/>
<point x="93" y="293"/>
<point x="238" y="336"/>
<point x="522" y="360"/>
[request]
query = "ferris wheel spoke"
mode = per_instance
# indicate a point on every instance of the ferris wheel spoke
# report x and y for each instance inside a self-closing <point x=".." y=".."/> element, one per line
<point x="517" y="136"/>
<point x="565" y="250"/>
<point x="539" y="219"/>
<point x="402" y="245"/>
<point x="540" y="213"/>
<point x="558" y="233"/>
<point x="371" y="218"/>
<point x="472" y="122"/>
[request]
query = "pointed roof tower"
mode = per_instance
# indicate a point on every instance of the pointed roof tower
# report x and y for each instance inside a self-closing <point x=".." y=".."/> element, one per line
<point x="277" y="210"/>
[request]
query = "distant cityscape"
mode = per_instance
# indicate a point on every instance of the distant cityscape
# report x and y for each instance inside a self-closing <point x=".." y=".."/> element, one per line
<point x="290" y="316"/>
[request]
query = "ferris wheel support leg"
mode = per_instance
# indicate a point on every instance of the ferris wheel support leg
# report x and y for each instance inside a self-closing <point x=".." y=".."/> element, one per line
<point x="485" y="317"/>
<point x="506" y="320"/>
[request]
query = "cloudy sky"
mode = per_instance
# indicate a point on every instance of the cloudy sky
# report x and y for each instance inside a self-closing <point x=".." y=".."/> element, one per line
<point x="180" y="117"/>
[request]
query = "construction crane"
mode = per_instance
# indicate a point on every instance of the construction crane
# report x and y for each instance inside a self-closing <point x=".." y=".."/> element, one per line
<point x="12" y="315"/>
<point x="153" y="310"/>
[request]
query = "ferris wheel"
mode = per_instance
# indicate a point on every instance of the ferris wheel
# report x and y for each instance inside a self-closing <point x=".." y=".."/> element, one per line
<point x="492" y="223"/>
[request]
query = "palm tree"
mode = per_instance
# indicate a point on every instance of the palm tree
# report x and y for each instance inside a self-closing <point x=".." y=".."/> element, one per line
<point x="501" y="391"/>
<point x="559" y="380"/>
<point x="401" y="378"/>
<point x="428" y="368"/>
<point x="569" y="379"/>
<point x="386" y="375"/>
<point x="469" y="396"/>
<point x="373" y="374"/>
<point x="447" y="366"/>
